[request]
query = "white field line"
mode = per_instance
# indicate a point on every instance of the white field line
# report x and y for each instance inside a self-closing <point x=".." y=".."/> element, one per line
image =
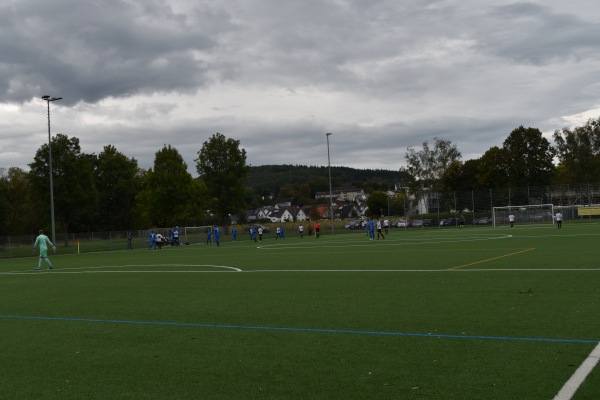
<point x="94" y="270"/>
<point x="119" y="269"/>
<point x="568" y="390"/>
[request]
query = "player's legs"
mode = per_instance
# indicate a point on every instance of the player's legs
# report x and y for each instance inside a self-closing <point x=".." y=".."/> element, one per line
<point x="44" y="257"/>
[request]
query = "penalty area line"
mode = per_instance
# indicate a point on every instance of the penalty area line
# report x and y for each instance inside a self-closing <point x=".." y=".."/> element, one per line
<point x="491" y="259"/>
<point x="568" y="390"/>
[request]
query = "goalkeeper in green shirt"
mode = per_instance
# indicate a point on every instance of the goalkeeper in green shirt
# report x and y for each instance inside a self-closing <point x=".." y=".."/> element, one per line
<point x="43" y="241"/>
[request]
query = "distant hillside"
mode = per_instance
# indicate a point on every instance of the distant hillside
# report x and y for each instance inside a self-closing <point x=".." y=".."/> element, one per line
<point x="272" y="177"/>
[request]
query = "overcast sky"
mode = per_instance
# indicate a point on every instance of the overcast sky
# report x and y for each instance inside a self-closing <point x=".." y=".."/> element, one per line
<point x="381" y="75"/>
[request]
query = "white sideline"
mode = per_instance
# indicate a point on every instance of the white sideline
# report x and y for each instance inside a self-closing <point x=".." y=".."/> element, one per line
<point x="568" y="390"/>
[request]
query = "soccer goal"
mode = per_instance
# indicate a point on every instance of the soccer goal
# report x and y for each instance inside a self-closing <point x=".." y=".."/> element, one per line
<point x="528" y="214"/>
<point x="195" y="234"/>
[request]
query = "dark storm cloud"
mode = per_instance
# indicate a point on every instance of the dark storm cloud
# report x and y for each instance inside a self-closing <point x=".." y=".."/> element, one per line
<point x="89" y="50"/>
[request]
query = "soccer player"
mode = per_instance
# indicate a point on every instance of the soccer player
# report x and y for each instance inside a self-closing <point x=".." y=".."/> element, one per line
<point x="152" y="241"/>
<point x="208" y="235"/>
<point x="318" y="230"/>
<point x="42" y="241"/>
<point x="301" y="230"/>
<point x="129" y="240"/>
<point x="234" y="234"/>
<point x="386" y="226"/>
<point x="159" y="240"/>
<point x="559" y="218"/>
<point x="379" y="230"/>
<point x="371" y="229"/>
<point x="176" y="233"/>
<point x="260" y="233"/>
<point x="253" y="234"/>
<point x="511" y="219"/>
<point x="217" y="236"/>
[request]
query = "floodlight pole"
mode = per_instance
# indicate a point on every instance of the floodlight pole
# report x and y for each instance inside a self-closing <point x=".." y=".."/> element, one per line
<point x="48" y="99"/>
<point x="330" y="191"/>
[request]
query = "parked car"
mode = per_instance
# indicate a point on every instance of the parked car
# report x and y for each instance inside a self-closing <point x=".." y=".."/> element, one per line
<point x="427" y="222"/>
<point x="449" y="222"/>
<point x="265" y="229"/>
<point x="401" y="223"/>
<point x="358" y="224"/>
<point x="482" y="221"/>
<point x="415" y="223"/>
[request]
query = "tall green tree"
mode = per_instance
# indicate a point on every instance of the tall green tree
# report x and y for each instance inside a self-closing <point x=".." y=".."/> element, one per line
<point x="530" y="158"/>
<point x="117" y="183"/>
<point x="221" y="164"/>
<point x="461" y="176"/>
<point x="173" y="197"/>
<point x="4" y="205"/>
<point x="75" y="196"/>
<point x="427" y="166"/>
<point x="303" y="197"/>
<point x="378" y="203"/>
<point x="142" y="204"/>
<point x="578" y="152"/>
<point x="492" y="169"/>
<point x="16" y="210"/>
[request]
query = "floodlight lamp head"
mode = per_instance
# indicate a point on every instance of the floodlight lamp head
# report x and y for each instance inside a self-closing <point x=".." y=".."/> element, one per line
<point x="327" y="134"/>
<point x="48" y="98"/>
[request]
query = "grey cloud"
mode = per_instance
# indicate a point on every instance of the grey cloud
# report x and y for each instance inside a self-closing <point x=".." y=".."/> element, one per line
<point x="533" y="34"/>
<point x="92" y="50"/>
<point x="464" y="70"/>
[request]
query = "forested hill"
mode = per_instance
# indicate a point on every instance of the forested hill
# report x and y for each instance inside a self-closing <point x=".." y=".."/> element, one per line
<point x="272" y="177"/>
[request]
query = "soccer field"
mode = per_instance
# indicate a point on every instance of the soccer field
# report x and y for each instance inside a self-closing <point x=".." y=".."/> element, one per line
<point x="474" y="313"/>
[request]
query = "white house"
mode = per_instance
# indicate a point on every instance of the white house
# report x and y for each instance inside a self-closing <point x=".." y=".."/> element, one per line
<point x="281" y="215"/>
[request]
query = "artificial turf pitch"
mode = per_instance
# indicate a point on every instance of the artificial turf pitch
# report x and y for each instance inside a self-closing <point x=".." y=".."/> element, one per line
<point x="474" y="313"/>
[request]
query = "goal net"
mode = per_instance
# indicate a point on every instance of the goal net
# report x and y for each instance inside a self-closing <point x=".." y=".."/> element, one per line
<point x="528" y="214"/>
<point x="196" y="234"/>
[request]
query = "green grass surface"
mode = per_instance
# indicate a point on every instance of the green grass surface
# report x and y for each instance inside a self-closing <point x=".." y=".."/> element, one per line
<point x="424" y="314"/>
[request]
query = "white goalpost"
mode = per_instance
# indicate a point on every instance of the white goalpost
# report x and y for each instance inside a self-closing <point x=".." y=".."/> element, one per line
<point x="195" y="234"/>
<point x="527" y="214"/>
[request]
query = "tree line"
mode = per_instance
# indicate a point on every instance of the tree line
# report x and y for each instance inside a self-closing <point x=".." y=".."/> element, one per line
<point x="526" y="158"/>
<point x="109" y="191"/>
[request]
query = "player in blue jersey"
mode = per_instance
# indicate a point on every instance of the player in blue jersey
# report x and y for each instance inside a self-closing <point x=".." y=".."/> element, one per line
<point x="371" y="229"/>
<point x="152" y="242"/>
<point x="217" y="236"/>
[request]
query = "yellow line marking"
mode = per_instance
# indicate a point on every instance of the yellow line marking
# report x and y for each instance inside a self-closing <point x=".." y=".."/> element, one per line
<point x="491" y="259"/>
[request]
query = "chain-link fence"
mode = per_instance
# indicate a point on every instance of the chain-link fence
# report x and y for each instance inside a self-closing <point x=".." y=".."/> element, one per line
<point x="72" y="243"/>
<point x="576" y="202"/>
<point x="479" y="204"/>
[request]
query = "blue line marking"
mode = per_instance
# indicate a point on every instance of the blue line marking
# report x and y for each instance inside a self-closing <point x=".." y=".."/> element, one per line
<point x="311" y="330"/>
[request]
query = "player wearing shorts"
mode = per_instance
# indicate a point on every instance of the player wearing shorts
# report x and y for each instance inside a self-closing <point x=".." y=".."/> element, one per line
<point x="42" y="241"/>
